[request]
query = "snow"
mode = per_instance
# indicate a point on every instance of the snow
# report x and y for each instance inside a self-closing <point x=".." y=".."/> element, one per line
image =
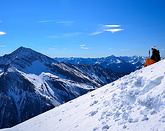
<point x="134" y="102"/>
<point x="118" y="61"/>
<point x="44" y="88"/>
<point x="36" y="67"/>
<point x="1" y="71"/>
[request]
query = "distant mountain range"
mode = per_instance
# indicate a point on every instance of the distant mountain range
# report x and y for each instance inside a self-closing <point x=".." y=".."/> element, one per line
<point x="32" y="83"/>
<point x="122" y="64"/>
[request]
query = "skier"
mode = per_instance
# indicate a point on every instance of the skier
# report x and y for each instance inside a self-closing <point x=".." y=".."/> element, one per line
<point x="154" y="58"/>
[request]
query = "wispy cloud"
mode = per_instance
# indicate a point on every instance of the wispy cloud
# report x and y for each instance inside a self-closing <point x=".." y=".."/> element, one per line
<point x="107" y="28"/>
<point x="66" y="35"/>
<point x="124" y="49"/>
<point x="0" y="21"/>
<point x="111" y="26"/>
<point x="65" y="22"/>
<point x="163" y="49"/>
<point x="57" y="21"/>
<point x="52" y="48"/>
<point x="109" y="48"/>
<point x="113" y="30"/>
<point x="83" y="47"/>
<point x="2" y="46"/>
<point x="96" y="33"/>
<point x="45" y="21"/>
<point x="72" y="34"/>
<point x="2" y="33"/>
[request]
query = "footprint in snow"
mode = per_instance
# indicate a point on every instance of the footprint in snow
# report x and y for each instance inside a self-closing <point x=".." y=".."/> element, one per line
<point x="106" y="91"/>
<point x="153" y="84"/>
<point x="124" y="127"/>
<point x="105" y="128"/>
<point x="131" y="120"/>
<point x="162" y="119"/>
<point x="139" y="82"/>
<point x="106" y="115"/>
<point x="95" y="102"/>
<point x="60" y="119"/>
<point x="92" y="113"/>
<point x="145" y="118"/>
<point x="95" y="129"/>
<point x="106" y="103"/>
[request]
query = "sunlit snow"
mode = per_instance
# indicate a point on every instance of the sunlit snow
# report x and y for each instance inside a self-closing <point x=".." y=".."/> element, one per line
<point x="134" y="102"/>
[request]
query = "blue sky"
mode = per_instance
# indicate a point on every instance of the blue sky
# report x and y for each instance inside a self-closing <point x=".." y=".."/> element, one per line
<point x="83" y="28"/>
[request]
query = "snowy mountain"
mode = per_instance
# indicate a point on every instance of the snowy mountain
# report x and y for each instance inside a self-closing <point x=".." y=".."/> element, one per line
<point x="122" y="64"/>
<point x="134" y="102"/>
<point x="32" y="83"/>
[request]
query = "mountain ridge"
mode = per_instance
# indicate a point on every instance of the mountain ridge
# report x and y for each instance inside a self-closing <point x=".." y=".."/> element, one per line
<point x="32" y="83"/>
<point x="133" y="102"/>
<point x="121" y="64"/>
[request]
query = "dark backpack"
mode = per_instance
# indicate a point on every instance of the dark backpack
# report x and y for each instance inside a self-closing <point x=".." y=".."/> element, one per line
<point x="156" y="55"/>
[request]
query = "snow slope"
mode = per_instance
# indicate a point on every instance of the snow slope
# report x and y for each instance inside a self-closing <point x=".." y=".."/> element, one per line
<point x="134" y="102"/>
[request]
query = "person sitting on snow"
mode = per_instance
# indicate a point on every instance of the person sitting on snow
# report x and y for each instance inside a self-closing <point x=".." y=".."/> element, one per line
<point x="154" y="58"/>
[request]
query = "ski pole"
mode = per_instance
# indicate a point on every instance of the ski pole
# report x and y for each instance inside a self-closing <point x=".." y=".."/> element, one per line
<point x="149" y="53"/>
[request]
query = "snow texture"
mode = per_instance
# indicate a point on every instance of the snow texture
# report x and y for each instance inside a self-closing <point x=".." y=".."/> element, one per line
<point x="134" y="102"/>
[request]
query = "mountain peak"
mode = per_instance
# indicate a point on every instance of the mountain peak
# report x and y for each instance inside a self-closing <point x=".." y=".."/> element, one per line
<point x="26" y="55"/>
<point x="27" y="52"/>
<point x="23" y="49"/>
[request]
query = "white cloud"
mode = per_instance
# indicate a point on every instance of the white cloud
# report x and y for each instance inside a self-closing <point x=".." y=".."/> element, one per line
<point x="2" y="33"/>
<point x="83" y="47"/>
<point x="0" y="21"/>
<point x="111" y="26"/>
<point x="163" y="49"/>
<point x="113" y="30"/>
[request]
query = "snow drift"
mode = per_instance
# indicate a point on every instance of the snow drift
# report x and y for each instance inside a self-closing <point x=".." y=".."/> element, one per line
<point x="133" y="102"/>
